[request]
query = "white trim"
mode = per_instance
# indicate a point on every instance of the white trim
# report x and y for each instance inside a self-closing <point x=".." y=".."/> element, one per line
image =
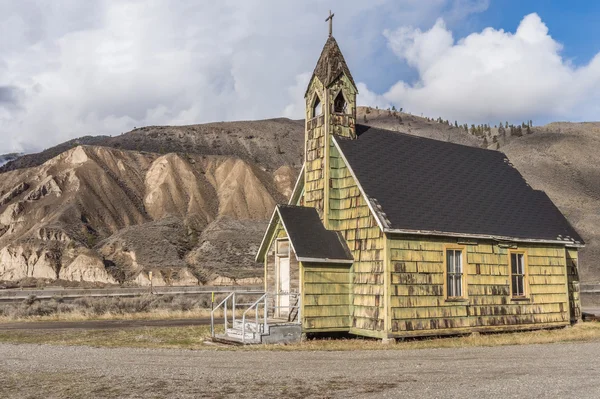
<point x="296" y="186"/>
<point x="286" y="232"/>
<point x="266" y="234"/>
<point x="325" y="260"/>
<point x="481" y="236"/>
<point x="379" y="223"/>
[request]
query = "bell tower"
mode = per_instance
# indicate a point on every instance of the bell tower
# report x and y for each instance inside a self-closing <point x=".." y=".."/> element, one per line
<point x="330" y="110"/>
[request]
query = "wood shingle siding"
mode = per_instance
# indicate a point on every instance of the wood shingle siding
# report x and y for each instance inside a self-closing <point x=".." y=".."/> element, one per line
<point x="417" y="280"/>
<point x="349" y="214"/>
<point x="573" y="284"/>
<point x="326" y="297"/>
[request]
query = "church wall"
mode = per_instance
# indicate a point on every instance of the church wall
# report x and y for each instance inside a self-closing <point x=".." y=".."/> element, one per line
<point x="314" y="175"/>
<point x="326" y="297"/>
<point x="350" y="215"/>
<point x="418" y="303"/>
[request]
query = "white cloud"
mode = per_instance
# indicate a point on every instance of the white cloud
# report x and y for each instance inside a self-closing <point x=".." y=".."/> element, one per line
<point x="494" y="75"/>
<point x="70" y="68"/>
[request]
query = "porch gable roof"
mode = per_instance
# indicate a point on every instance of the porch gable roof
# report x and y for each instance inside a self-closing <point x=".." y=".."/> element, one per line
<point x="311" y="241"/>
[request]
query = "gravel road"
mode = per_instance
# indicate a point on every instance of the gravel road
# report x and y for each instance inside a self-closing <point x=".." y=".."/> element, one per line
<point x="530" y="371"/>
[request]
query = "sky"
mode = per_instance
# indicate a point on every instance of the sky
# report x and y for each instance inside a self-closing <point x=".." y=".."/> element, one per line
<point x="70" y="68"/>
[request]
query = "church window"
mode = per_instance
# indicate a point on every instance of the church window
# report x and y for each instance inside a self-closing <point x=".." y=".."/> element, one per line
<point x="317" y="107"/>
<point x="454" y="273"/>
<point x="517" y="274"/>
<point x="339" y="104"/>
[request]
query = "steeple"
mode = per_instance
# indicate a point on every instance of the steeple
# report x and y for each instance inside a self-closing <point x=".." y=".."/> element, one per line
<point x="330" y="111"/>
<point x="331" y="64"/>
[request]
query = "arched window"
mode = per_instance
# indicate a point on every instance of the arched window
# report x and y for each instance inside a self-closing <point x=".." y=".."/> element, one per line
<point x="317" y="108"/>
<point x="339" y="105"/>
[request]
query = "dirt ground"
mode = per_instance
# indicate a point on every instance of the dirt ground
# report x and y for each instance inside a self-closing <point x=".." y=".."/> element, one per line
<point x="549" y="371"/>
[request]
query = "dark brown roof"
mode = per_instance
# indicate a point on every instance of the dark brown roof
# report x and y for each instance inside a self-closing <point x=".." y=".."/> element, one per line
<point x="309" y="237"/>
<point x="331" y="64"/>
<point x="420" y="184"/>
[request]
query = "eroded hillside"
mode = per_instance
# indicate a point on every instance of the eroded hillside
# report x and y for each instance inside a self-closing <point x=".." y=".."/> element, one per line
<point x="106" y="215"/>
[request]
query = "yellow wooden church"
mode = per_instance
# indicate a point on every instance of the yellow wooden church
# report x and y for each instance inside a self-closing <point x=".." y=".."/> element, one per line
<point x="390" y="235"/>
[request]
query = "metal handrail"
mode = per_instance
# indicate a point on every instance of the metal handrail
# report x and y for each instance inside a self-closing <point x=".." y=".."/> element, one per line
<point x="212" y="313"/>
<point x="263" y="298"/>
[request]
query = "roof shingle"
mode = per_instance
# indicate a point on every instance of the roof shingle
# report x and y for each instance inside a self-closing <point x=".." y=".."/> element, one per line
<point x="309" y="237"/>
<point x="430" y="185"/>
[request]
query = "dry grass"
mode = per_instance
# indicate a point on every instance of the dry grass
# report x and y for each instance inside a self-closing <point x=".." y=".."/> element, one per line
<point x="145" y="307"/>
<point x="197" y="337"/>
<point x="583" y="332"/>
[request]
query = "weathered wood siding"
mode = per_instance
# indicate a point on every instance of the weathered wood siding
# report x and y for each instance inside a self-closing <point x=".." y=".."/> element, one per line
<point x="326" y="297"/>
<point x="418" y="304"/>
<point x="314" y="175"/>
<point x="270" y="267"/>
<point x="349" y="214"/>
<point x="573" y="280"/>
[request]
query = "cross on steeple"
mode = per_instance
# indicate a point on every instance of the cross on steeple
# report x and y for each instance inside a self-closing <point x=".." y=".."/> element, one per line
<point x="330" y="19"/>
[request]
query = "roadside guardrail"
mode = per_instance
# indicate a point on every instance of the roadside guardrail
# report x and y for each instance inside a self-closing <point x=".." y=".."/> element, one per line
<point x="61" y="292"/>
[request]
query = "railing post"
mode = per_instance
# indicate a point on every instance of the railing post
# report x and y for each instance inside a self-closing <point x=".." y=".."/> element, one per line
<point x="244" y="328"/>
<point x="233" y="310"/>
<point x="265" y="314"/>
<point x="214" y="309"/>
<point x="225" y="314"/>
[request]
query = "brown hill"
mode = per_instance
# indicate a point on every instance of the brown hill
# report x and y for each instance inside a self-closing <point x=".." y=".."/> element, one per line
<point x="107" y="215"/>
<point x="190" y="203"/>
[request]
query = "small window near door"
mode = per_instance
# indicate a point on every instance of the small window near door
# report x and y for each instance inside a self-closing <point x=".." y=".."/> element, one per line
<point x="283" y="248"/>
<point x="454" y="273"/>
<point x="517" y="274"/>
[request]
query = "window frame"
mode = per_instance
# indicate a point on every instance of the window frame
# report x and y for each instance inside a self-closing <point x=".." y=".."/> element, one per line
<point x="525" y="274"/>
<point x="463" y="285"/>
<point x="346" y="103"/>
<point x="316" y="101"/>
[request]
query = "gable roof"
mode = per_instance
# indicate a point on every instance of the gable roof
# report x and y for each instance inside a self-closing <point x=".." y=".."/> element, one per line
<point x="424" y="186"/>
<point x="309" y="238"/>
<point x="331" y="64"/>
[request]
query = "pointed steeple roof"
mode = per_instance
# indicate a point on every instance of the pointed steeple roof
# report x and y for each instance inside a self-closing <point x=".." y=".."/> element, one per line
<point x="331" y="64"/>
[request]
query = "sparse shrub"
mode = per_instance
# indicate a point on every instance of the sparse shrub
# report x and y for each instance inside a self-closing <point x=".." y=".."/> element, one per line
<point x="30" y="300"/>
<point x="90" y="306"/>
<point x="183" y="303"/>
<point x="42" y="308"/>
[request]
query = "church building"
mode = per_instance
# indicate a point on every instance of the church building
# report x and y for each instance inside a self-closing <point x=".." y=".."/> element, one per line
<point x="390" y="235"/>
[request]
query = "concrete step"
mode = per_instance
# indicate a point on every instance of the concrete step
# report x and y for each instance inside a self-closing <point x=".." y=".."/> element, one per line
<point x="250" y="326"/>
<point x="224" y="339"/>
<point x="235" y="333"/>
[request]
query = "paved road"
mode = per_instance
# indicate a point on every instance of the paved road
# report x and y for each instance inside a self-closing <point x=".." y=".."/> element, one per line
<point x="102" y="324"/>
<point x="593" y="310"/>
<point x="530" y="371"/>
